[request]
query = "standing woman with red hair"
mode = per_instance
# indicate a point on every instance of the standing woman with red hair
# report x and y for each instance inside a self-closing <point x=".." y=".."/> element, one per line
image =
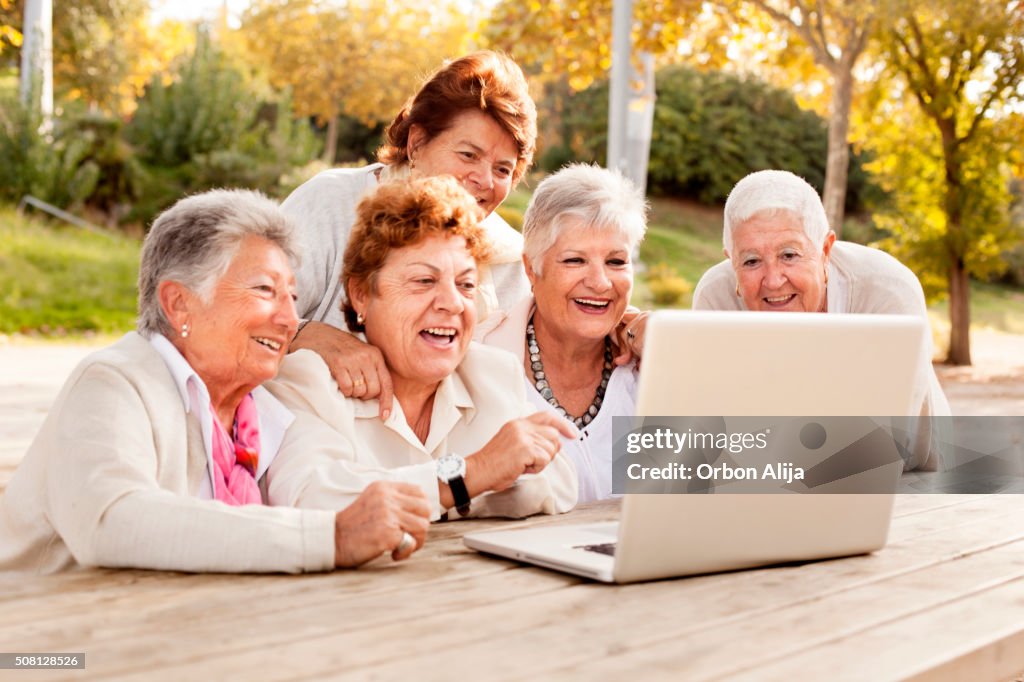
<point x="472" y="119"/>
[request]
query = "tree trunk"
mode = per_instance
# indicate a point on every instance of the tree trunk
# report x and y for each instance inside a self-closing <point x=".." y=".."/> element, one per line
<point x="838" y="163"/>
<point x="331" y="144"/>
<point x="959" y="284"/>
<point x="959" y="315"/>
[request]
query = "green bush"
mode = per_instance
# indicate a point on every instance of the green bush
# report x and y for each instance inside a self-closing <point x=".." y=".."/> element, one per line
<point x="52" y="165"/>
<point x="713" y="128"/>
<point x="667" y="287"/>
<point x="204" y="108"/>
<point x="118" y="175"/>
<point x="208" y="127"/>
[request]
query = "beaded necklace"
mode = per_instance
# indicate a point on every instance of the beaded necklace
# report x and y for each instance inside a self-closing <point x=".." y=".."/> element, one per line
<point x="540" y="380"/>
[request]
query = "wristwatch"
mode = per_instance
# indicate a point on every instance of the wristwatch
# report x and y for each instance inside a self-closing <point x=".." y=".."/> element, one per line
<point x="451" y="469"/>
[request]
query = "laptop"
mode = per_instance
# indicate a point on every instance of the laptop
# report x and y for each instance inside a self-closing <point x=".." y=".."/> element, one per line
<point x="744" y="364"/>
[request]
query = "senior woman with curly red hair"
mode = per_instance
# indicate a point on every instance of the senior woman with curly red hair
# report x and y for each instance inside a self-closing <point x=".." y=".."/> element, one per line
<point x="462" y="429"/>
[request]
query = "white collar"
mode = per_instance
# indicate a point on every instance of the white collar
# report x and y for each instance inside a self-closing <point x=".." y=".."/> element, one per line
<point x="274" y="417"/>
<point x="452" y="404"/>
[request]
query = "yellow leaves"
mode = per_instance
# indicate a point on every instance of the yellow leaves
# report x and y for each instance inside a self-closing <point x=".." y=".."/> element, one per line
<point x="572" y="38"/>
<point x="362" y="59"/>
<point x="11" y="35"/>
<point x="155" y="48"/>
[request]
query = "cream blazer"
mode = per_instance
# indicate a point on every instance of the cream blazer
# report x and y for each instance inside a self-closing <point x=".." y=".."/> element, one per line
<point x="110" y="481"/>
<point x="353" y="447"/>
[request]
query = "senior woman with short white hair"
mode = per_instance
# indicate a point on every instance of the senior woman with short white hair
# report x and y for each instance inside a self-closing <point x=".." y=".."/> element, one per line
<point x="781" y="255"/>
<point x="159" y="449"/>
<point x="580" y="231"/>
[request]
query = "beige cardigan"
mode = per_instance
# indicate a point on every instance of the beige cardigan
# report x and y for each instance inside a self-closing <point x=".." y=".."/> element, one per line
<point x="109" y="481"/>
<point x="350" y="447"/>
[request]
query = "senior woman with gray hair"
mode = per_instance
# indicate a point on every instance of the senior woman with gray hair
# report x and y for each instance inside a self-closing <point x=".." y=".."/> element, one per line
<point x="782" y="256"/>
<point x="158" y="449"/>
<point x="580" y="230"/>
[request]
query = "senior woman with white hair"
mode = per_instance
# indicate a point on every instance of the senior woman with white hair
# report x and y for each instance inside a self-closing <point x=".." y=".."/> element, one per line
<point x="580" y="230"/>
<point x="782" y="256"/>
<point x="159" y="449"/>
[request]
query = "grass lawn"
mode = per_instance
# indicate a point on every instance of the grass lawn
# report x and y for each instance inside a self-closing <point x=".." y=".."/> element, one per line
<point x="57" y="280"/>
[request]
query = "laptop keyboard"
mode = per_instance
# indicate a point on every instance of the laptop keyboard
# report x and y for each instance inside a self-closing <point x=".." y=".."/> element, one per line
<point x="603" y="548"/>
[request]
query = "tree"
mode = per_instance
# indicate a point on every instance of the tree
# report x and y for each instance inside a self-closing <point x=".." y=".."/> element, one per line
<point x="10" y="36"/>
<point x="963" y="63"/>
<point x="837" y="34"/>
<point x="362" y="58"/>
<point x="94" y="47"/>
<point x="572" y="38"/>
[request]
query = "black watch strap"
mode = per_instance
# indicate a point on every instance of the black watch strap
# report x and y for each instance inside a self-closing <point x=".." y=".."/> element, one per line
<point x="459" y="494"/>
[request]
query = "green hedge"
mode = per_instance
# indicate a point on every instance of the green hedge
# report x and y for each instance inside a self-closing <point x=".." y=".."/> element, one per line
<point x="710" y="130"/>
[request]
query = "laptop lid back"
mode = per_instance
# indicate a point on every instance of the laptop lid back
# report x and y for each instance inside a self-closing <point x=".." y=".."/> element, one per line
<point x="771" y="364"/>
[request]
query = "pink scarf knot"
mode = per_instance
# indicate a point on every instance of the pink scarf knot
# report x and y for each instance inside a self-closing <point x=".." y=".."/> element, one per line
<point x="235" y="458"/>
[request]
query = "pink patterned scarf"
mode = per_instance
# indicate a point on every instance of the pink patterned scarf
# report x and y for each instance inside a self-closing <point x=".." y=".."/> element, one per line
<point x="234" y="478"/>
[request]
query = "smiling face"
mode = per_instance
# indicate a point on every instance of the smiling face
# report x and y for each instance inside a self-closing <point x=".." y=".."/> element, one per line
<point x="777" y="267"/>
<point x="475" y="149"/>
<point x="239" y="337"/>
<point x="584" y="283"/>
<point x="422" y="314"/>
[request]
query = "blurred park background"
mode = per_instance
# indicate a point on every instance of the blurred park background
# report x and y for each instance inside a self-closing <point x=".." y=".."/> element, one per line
<point x="923" y="102"/>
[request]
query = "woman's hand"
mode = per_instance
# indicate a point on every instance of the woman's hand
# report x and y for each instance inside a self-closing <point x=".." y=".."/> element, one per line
<point x="629" y="335"/>
<point x="522" y="446"/>
<point x="376" y="522"/>
<point x="358" y="367"/>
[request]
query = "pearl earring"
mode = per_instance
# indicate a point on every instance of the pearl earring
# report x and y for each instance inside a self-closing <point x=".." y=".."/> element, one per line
<point x="184" y="331"/>
<point x="360" y="318"/>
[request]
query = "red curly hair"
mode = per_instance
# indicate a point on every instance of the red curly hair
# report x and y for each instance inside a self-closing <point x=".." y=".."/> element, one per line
<point x="403" y="213"/>
<point x="480" y="81"/>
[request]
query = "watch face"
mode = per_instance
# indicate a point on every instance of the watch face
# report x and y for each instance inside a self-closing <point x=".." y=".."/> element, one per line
<point x="450" y="466"/>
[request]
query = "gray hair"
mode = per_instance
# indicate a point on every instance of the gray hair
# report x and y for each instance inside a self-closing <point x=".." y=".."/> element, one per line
<point x="770" y="193"/>
<point x="598" y="197"/>
<point x="194" y="242"/>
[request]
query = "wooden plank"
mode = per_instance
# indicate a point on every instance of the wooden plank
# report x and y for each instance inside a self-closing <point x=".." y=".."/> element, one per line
<point x="711" y="648"/>
<point x="148" y="639"/>
<point x="106" y="591"/>
<point x="75" y="590"/>
<point x="977" y="638"/>
<point x="923" y="503"/>
<point x="593" y="615"/>
<point x="730" y="650"/>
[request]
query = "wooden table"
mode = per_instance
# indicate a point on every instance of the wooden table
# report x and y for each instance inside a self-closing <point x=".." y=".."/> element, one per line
<point x="944" y="600"/>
